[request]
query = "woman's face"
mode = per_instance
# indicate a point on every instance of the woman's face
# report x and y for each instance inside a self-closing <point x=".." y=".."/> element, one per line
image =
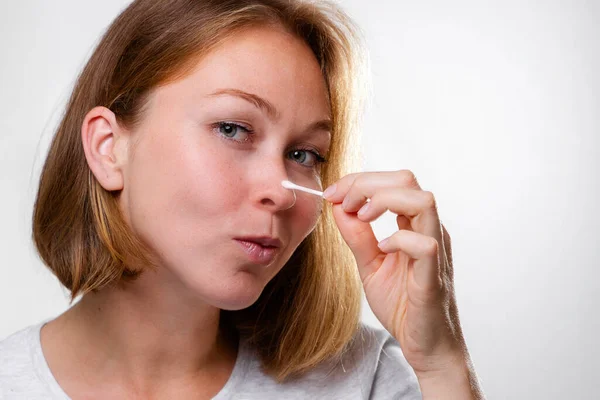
<point x="209" y="159"/>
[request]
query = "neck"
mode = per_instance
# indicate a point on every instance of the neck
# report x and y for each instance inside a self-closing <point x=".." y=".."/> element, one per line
<point x="146" y="332"/>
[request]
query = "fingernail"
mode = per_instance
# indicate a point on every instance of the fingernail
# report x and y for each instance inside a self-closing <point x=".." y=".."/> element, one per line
<point x="383" y="243"/>
<point x="345" y="203"/>
<point x="329" y="191"/>
<point x="363" y="209"/>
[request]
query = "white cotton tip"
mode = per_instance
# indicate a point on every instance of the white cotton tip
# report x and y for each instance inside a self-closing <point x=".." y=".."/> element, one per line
<point x="291" y="185"/>
<point x="288" y="185"/>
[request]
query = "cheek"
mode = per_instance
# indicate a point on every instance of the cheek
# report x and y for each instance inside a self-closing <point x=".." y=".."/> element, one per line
<point x="308" y="209"/>
<point x="204" y="180"/>
<point x="177" y="185"/>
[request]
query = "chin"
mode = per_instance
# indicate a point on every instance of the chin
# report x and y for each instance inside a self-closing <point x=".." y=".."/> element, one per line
<point x="236" y="294"/>
<point x="236" y="302"/>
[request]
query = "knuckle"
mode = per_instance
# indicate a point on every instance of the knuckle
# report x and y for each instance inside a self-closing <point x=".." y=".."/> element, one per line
<point x="377" y="197"/>
<point x="407" y="178"/>
<point x="429" y="200"/>
<point x="431" y="247"/>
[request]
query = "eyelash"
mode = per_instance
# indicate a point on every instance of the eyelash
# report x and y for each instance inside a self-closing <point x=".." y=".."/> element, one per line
<point x="319" y="158"/>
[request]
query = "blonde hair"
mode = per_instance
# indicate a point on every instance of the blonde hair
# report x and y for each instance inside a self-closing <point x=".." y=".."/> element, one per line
<point x="310" y="311"/>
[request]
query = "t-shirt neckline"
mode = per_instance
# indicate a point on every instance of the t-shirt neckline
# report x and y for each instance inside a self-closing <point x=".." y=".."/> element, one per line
<point x="43" y="372"/>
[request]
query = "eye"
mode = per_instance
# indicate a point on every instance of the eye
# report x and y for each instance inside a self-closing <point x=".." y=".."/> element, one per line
<point x="230" y="130"/>
<point x="307" y="157"/>
<point x="301" y="155"/>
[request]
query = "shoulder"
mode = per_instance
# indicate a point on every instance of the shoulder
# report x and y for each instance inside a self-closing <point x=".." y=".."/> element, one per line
<point x="393" y="377"/>
<point x="370" y="338"/>
<point x="17" y="363"/>
<point x="15" y="350"/>
<point x="371" y="367"/>
<point x="380" y="364"/>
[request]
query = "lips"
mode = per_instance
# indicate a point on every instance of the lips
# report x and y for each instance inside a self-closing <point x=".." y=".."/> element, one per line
<point x="257" y="253"/>
<point x="264" y="241"/>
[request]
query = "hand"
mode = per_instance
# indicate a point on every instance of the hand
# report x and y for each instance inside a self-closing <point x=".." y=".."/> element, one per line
<point x="408" y="279"/>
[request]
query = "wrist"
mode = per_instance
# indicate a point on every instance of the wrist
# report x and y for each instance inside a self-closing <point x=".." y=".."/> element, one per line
<point x="455" y="380"/>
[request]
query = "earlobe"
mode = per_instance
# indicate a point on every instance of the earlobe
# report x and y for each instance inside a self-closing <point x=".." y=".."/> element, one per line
<point x="100" y="133"/>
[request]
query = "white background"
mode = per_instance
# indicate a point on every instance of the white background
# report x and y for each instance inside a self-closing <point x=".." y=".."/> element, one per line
<point x="494" y="105"/>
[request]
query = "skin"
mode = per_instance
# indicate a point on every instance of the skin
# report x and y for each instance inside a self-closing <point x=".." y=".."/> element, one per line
<point x="188" y="192"/>
<point x="408" y="277"/>
<point x="188" y="188"/>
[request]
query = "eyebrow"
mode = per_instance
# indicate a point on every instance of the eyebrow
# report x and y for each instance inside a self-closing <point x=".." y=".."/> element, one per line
<point x="270" y="109"/>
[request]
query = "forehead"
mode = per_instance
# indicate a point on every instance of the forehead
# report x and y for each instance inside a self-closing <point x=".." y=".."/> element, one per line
<point x="267" y="61"/>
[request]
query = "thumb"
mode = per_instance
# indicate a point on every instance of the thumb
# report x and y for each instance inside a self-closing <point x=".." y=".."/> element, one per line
<point x="359" y="236"/>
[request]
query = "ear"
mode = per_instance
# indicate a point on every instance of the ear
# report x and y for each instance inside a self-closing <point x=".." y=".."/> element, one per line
<point x="103" y="143"/>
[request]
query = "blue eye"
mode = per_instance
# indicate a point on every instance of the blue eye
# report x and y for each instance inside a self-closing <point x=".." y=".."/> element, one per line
<point x="230" y="130"/>
<point x="300" y="156"/>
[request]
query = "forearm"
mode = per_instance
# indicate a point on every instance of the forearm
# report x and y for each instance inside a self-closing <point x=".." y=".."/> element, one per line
<point x="457" y="382"/>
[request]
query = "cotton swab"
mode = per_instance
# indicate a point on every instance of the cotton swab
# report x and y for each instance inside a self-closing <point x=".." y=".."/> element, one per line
<point x="291" y="185"/>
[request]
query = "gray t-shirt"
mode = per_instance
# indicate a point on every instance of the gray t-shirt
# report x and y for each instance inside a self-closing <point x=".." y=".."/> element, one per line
<point x="373" y="368"/>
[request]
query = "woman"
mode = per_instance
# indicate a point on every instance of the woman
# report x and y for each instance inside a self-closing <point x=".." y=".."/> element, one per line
<point x="200" y="275"/>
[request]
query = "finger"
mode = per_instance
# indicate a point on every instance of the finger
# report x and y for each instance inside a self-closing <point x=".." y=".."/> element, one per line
<point x="354" y="189"/>
<point x="403" y="222"/>
<point x="361" y="240"/>
<point x="381" y="202"/>
<point x="417" y="205"/>
<point x="421" y="248"/>
<point x="364" y="187"/>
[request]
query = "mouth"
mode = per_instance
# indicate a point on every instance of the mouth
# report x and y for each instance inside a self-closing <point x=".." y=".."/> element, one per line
<point x="264" y="241"/>
<point x="263" y="252"/>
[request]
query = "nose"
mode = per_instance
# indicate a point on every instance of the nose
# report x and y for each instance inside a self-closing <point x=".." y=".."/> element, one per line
<point x="269" y="193"/>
